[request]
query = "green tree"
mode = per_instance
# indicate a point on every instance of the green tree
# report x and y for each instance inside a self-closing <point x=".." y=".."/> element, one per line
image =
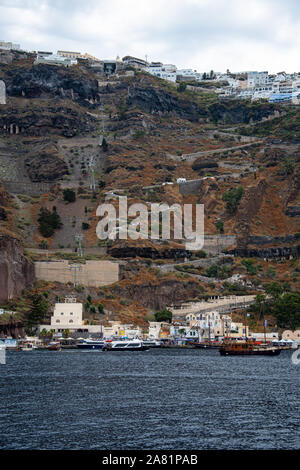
<point x="48" y="221"/>
<point x="100" y="308"/>
<point x="69" y="195"/>
<point x="104" y="145"/>
<point x="37" y="310"/>
<point x="274" y="289"/>
<point x="181" y="87"/>
<point x="287" y="310"/>
<point x="232" y="197"/>
<point x="249" y="265"/>
<point x="220" y="226"/>
<point x="163" y="315"/>
<point x="288" y="166"/>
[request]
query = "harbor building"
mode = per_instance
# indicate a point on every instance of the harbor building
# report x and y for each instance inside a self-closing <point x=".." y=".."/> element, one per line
<point x="67" y="315"/>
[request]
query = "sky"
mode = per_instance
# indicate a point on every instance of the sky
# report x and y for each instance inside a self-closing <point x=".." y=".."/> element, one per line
<point x="200" y="34"/>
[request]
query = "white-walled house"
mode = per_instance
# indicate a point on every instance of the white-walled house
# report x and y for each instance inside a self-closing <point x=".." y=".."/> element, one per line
<point x="68" y="316"/>
<point x="166" y="72"/>
<point x="154" y="329"/>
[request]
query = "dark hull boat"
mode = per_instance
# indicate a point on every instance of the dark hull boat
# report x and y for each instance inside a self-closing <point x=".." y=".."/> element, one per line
<point x="247" y="349"/>
<point x="90" y="344"/>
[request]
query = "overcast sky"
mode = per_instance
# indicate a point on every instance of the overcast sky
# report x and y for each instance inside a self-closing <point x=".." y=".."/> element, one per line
<point x="198" y="34"/>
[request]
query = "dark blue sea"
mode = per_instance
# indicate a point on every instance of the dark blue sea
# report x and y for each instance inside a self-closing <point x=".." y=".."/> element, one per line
<point x="158" y="399"/>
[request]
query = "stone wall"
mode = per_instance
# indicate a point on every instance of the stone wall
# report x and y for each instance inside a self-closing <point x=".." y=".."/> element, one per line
<point x="215" y="244"/>
<point x="28" y="188"/>
<point x="190" y="187"/>
<point x="92" y="273"/>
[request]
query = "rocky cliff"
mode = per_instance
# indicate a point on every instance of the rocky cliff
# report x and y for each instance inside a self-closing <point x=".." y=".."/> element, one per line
<point x="16" y="271"/>
<point x="158" y="101"/>
<point x="249" y="206"/>
<point x="42" y="81"/>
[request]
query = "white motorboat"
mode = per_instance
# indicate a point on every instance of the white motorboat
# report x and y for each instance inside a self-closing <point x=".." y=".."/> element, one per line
<point x="151" y="343"/>
<point x="125" y="345"/>
<point x="28" y="347"/>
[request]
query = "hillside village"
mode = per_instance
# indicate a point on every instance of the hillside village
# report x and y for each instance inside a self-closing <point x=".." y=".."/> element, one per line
<point x="77" y="131"/>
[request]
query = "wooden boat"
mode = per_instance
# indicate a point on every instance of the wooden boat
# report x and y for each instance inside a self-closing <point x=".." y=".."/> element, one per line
<point x="247" y="348"/>
<point x="54" y="347"/>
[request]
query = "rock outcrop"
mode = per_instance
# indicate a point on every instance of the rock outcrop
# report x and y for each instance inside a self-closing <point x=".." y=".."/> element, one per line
<point x="42" y="120"/>
<point x="16" y="271"/>
<point x="248" y="208"/>
<point x="158" y="101"/>
<point x="46" y="163"/>
<point x="235" y="111"/>
<point x="42" y="81"/>
<point x="161" y="295"/>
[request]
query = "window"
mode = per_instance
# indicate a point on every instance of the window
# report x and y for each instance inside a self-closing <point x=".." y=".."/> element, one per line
<point x="71" y="313"/>
<point x="57" y="321"/>
<point x="71" y="321"/>
<point x="61" y="313"/>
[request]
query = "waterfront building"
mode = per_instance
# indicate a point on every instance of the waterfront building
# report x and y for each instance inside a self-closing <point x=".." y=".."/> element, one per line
<point x="68" y="316"/>
<point x="120" y="330"/>
<point x="154" y="329"/>
<point x="268" y="336"/>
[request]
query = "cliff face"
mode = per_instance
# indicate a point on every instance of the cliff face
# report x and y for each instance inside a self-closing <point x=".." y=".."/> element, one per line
<point x="44" y="80"/>
<point x="159" y="296"/>
<point x="46" y="163"/>
<point x="157" y="101"/>
<point x="16" y="272"/>
<point x="249" y="206"/>
<point x="38" y="120"/>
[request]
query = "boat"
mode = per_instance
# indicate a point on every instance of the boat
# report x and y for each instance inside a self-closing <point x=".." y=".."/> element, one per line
<point x="28" y="347"/>
<point x="54" y="346"/>
<point x="90" y="344"/>
<point x="247" y="348"/>
<point x="125" y="345"/>
<point x="151" y="343"/>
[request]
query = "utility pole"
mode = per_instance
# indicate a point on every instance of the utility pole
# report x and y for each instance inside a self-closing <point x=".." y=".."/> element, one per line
<point x="79" y="238"/>
<point x="92" y="172"/>
<point x="75" y="268"/>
